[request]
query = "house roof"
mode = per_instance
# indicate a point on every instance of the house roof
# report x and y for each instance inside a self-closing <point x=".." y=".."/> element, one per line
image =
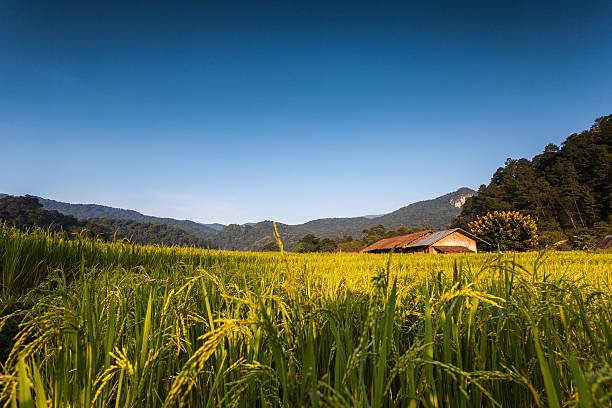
<point x="403" y="241"/>
<point x="417" y="239"/>
<point x="605" y="243"/>
<point x="438" y="235"/>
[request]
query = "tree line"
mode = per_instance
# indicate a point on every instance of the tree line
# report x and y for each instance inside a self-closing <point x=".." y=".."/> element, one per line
<point x="26" y="212"/>
<point x="567" y="190"/>
<point x="311" y="243"/>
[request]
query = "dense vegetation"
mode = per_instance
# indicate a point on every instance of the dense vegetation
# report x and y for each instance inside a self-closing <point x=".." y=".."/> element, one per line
<point x="27" y="212"/>
<point x="124" y="325"/>
<point x="506" y="230"/>
<point x="85" y="211"/>
<point x="567" y="190"/>
<point x="150" y="233"/>
<point x="310" y="243"/>
<point x="255" y="237"/>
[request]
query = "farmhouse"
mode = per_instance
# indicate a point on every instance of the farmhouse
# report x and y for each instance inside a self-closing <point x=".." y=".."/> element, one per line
<point x="451" y="241"/>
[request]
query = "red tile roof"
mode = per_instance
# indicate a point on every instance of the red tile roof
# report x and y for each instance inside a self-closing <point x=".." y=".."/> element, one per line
<point x="418" y="239"/>
<point x="402" y="241"/>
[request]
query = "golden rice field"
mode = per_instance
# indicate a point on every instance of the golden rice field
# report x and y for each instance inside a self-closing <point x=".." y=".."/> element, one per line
<point x="120" y="325"/>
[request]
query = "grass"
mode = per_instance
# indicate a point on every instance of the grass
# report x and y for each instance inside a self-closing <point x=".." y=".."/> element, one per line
<point x="121" y="325"/>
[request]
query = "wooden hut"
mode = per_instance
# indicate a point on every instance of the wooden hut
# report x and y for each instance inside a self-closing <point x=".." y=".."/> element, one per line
<point x="428" y="242"/>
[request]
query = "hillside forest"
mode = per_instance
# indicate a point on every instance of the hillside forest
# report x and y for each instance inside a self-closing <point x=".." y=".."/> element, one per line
<point x="566" y="189"/>
<point x="26" y="212"/>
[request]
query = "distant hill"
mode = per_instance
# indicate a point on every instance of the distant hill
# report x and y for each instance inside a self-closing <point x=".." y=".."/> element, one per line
<point x="148" y="233"/>
<point x="27" y="212"/>
<point x="438" y="212"/>
<point x="82" y="211"/>
<point x="254" y="237"/>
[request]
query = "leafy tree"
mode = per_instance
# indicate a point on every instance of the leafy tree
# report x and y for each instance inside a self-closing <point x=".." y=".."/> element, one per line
<point x="374" y="234"/>
<point x="551" y="148"/>
<point x="309" y="243"/>
<point x="271" y="247"/>
<point x="506" y="230"/>
<point x="327" y="245"/>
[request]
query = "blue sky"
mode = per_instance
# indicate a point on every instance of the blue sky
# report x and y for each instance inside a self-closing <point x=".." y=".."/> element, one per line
<point x="245" y="111"/>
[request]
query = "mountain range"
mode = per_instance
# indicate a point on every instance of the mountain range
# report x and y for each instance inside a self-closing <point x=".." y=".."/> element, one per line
<point x="437" y="213"/>
<point x="101" y="211"/>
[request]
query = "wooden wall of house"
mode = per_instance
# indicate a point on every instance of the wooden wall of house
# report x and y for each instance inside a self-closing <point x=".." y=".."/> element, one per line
<point x="457" y="239"/>
<point x="417" y="250"/>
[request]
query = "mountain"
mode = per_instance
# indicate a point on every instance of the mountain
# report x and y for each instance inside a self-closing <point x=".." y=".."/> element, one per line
<point x="27" y="212"/>
<point x="82" y="211"/>
<point x="147" y="233"/>
<point x="438" y="213"/>
<point x="254" y="237"/>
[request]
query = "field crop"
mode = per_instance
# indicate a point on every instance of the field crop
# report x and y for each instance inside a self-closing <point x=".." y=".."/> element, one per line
<point x="121" y="325"/>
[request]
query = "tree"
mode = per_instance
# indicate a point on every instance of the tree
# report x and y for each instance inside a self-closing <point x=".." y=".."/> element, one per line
<point x="379" y="232"/>
<point x="506" y="230"/>
<point x="327" y="245"/>
<point x="309" y="243"/>
<point x="551" y="148"/>
<point x="270" y="247"/>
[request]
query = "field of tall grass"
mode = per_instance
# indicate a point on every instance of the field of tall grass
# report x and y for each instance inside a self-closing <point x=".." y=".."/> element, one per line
<point x="120" y="325"/>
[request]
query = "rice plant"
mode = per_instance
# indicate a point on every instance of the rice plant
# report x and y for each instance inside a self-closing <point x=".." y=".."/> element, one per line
<point x="122" y="325"/>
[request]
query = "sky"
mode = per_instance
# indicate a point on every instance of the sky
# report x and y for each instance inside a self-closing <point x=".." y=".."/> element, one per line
<point x="238" y="112"/>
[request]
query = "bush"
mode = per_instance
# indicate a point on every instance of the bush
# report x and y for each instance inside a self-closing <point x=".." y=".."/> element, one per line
<point x="506" y="230"/>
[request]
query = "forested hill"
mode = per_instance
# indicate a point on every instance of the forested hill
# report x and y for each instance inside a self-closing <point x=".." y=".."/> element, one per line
<point x="26" y="212"/>
<point x="82" y="211"/>
<point x="438" y="212"/>
<point x="255" y="237"/>
<point x="568" y="189"/>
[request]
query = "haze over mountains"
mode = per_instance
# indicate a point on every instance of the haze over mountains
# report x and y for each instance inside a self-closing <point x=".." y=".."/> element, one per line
<point x="438" y="212"/>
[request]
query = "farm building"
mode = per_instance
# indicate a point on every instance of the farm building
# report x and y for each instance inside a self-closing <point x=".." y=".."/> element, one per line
<point x="605" y="243"/>
<point x="451" y="241"/>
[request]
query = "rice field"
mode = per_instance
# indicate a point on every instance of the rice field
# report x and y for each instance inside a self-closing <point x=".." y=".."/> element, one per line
<point x="119" y="325"/>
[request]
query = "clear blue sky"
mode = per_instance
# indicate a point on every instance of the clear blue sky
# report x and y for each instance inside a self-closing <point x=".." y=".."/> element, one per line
<point x="237" y="112"/>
